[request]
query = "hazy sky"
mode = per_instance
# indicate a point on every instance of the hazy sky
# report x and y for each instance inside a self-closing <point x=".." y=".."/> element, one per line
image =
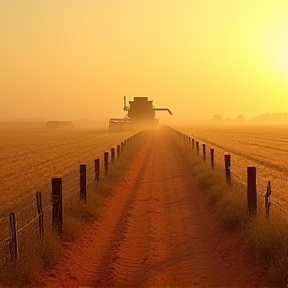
<point x="78" y="58"/>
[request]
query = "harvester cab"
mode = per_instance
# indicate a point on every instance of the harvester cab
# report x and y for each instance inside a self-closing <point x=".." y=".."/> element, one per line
<point x="140" y="112"/>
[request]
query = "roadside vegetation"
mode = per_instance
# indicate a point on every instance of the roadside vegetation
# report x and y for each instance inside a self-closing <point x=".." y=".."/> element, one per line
<point x="266" y="239"/>
<point x="36" y="255"/>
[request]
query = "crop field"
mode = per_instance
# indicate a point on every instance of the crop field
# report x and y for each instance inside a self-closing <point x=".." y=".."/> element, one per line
<point x="156" y="205"/>
<point x="31" y="155"/>
<point x="262" y="146"/>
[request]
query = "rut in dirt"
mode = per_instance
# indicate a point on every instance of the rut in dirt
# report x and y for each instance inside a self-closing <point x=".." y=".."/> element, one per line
<point x="156" y="230"/>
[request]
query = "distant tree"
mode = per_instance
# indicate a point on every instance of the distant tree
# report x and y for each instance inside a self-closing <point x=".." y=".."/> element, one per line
<point x="217" y="117"/>
<point x="240" y="118"/>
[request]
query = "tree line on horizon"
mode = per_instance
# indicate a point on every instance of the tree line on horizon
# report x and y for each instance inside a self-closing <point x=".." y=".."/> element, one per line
<point x="265" y="117"/>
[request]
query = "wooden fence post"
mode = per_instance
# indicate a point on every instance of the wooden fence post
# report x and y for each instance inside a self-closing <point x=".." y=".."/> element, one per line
<point x="204" y="152"/>
<point x="189" y="145"/>
<point x="267" y="199"/>
<point x="14" y="238"/>
<point x="197" y="147"/>
<point x="112" y="155"/>
<point x="212" y="157"/>
<point x="96" y="170"/>
<point x="118" y="151"/>
<point x="227" y="158"/>
<point x="40" y="214"/>
<point x="83" y="183"/>
<point x="251" y="191"/>
<point x="106" y="161"/>
<point x="57" y="212"/>
<point x="122" y="147"/>
<point x="193" y="144"/>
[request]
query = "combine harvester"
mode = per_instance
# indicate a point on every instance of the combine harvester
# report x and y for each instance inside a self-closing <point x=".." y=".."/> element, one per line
<point x="141" y="113"/>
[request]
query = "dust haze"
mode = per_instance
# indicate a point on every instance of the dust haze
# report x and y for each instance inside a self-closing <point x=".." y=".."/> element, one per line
<point x="199" y="58"/>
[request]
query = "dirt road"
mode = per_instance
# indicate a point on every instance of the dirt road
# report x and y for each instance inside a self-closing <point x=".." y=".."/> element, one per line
<point x="156" y="230"/>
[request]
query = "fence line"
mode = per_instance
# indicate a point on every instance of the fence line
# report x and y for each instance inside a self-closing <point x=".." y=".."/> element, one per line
<point x="72" y="187"/>
<point x="189" y="144"/>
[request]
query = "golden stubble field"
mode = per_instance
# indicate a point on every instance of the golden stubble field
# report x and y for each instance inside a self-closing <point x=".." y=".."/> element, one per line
<point x="31" y="155"/>
<point x="262" y="145"/>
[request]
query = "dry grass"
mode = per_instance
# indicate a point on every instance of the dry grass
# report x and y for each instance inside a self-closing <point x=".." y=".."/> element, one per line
<point x="32" y="258"/>
<point x="268" y="241"/>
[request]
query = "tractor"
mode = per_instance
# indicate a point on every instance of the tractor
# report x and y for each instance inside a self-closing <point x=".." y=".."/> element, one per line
<point x="140" y="113"/>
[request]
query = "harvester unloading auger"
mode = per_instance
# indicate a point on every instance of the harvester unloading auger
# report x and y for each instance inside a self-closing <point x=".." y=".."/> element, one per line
<point x="141" y="112"/>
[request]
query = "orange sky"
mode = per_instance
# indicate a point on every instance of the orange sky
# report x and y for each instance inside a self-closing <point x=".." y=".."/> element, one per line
<point x="67" y="59"/>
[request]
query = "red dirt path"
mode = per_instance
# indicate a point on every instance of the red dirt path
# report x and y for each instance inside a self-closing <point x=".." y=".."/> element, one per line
<point x="156" y="230"/>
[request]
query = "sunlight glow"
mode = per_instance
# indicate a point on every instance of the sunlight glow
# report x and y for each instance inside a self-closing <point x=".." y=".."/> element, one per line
<point x="276" y="43"/>
<point x="181" y="54"/>
<point x="284" y="56"/>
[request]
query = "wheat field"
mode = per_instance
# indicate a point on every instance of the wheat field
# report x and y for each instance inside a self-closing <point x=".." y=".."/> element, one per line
<point x="261" y="145"/>
<point x="31" y="155"/>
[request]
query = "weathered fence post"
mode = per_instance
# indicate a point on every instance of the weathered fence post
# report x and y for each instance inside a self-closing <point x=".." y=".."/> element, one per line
<point x="83" y="183"/>
<point x="112" y="155"/>
<point x="212" y="157"/>
<point x="189" y="145"/>
<point x="227" y="158"/>
<point x="118" y="151"/>
<point x="125" y="142"/>
<point x="57" y="212"/>
<point x="40" y="214"/>
<point x="106" y="161"/>
<point x="204" y="152"/>
<point x="122" y="147"/>
<point x="14" y="238"/>
<point x="267" y="199"/>
<point x="251" y="191"/>
<point x="197" y="147"/>
<point x="193" y="143"/>
<point x="96" y="170"/>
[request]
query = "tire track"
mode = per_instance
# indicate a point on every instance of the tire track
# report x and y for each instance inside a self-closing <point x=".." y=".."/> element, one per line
<point x="147" y="239"/>
<point x="104" y="273"/>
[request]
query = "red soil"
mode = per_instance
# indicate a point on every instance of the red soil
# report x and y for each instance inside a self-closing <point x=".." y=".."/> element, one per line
<point x="156" y="230"/>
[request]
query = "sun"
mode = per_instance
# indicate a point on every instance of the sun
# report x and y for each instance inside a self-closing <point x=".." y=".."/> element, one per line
<point x="283" y="55"/>
<point x="277" y="46"/>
